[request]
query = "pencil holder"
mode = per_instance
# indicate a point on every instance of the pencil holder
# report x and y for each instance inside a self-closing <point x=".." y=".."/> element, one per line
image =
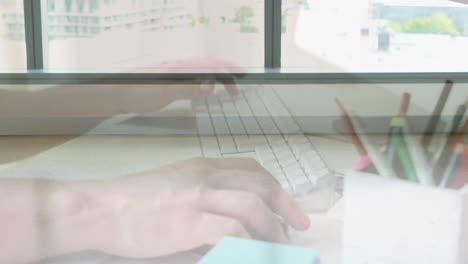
<point x="388" y="220"/>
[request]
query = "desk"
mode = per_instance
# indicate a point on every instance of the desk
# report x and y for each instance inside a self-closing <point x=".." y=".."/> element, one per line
<point x="145" y="152"/>
<point x="136" y="152"/>
<point x="325" y="233"/>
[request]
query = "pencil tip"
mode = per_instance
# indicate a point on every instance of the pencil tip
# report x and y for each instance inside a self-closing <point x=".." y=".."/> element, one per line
<point x="448" y="85"/>
<point x="404" y="105"/>
<point x="340" y="105"/>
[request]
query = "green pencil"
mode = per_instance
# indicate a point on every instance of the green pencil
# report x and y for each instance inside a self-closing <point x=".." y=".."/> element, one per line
<point x="405" y="157"/>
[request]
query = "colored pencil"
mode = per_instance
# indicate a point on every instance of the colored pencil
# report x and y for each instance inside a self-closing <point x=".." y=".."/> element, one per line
<point x="454" y="166"/>
<point x="435" y="117"/>
<point x="405" y="158"/>
<point x="379" y="161"/>
<point x="348" y="125"/>
<point x="462" y="178"/>
<point x="418" y="156"/>
<point x="396" y="128"/>
<point x="444" y="149"/>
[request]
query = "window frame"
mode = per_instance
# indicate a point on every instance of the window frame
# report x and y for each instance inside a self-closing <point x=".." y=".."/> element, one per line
<point x="36" y="53"/>
<point x="34" y="37"/>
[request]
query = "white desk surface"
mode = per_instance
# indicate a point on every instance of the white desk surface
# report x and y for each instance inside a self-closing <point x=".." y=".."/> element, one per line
<point x="339" y="154"/>
<point x="324" y="235"/>
<point x="140" y="153"/>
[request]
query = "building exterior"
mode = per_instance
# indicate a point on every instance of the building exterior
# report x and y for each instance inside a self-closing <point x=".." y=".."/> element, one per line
<point x="401" y="11"/>
<point x="87" y="18"/>
<point x="83" y="18"/>
<point x="12" y="19"/>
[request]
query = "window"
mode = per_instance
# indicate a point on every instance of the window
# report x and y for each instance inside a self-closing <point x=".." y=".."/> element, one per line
<point x="375" y="36"/>
<point x="68" y="5"/>
<point x="305" y="36"/>
<point x="51" y="5"/>
<point x="143" y="35"/>
<point x="81" y="4"/>
<point x="12" y="36"/>
<point x="93" y="6"/>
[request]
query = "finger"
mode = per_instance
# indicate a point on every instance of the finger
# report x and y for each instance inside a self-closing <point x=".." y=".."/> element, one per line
<point x="207" y="88"/>
<point x="270" y="191"/>
<point x="248" y="208"/>
<point x="211" y="229"/>
<point x="285" y="205"/>
<point x="230" y="86"/>
<point x="248" y="175"/>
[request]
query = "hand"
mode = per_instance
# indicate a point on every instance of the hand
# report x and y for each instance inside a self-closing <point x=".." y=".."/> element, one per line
<point x="193" y="203"/>
<point x="109" y="100"/>
<point x="205" y="65"/>
<point x="153" y="97"/>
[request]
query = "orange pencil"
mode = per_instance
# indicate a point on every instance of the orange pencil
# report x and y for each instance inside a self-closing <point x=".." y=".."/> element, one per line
<point x="348" y="125"/>
<point x="404" y="104"/>
<point x="462" y="178"/>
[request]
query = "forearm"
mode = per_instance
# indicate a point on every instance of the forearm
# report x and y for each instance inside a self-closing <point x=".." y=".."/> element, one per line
<point x="89" y="100"/>
<point x="40" y="219"/>
<point x="62" y="101"/>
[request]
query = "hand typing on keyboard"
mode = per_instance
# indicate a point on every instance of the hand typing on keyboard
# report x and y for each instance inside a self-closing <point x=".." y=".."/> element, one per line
<point x="257" y="124"/>
<point x="109" y="100"/>
<point x="175" y="208"/>
<point x="155" y="98"/>
<point x="191" y="203"/>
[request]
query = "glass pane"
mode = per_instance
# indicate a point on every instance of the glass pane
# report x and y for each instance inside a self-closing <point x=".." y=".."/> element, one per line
<point x="375" y="36"/>
<point x="154" y="35"/>
<point x="12" y="43"/>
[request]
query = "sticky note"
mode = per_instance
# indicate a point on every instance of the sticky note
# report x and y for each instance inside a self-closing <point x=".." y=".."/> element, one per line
<point x="235" y="251"/>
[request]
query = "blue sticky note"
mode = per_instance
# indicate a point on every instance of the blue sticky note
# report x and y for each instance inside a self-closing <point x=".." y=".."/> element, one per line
<point x="242" y="251"/>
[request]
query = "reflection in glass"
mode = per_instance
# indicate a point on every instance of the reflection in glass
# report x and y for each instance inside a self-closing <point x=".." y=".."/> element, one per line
<point x="12" y="43"/>
<point x="375" y="35"/>
<point x="122" y="35"/>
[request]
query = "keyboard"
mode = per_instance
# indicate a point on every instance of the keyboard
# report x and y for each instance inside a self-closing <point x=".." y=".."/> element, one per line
<point x="257" y="124"/>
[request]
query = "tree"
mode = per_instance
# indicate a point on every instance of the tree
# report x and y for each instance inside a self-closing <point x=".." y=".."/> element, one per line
<point x="203" y="20"/>
<point x="243" y="17"/>
<point x="303" y="4"/>
<point x="244" y="14"/>
<point x="438" y="23"/>
<point x="192" y="19"/>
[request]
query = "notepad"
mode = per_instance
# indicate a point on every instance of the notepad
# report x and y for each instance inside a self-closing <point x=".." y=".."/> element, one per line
<point x="235" y="251"/>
